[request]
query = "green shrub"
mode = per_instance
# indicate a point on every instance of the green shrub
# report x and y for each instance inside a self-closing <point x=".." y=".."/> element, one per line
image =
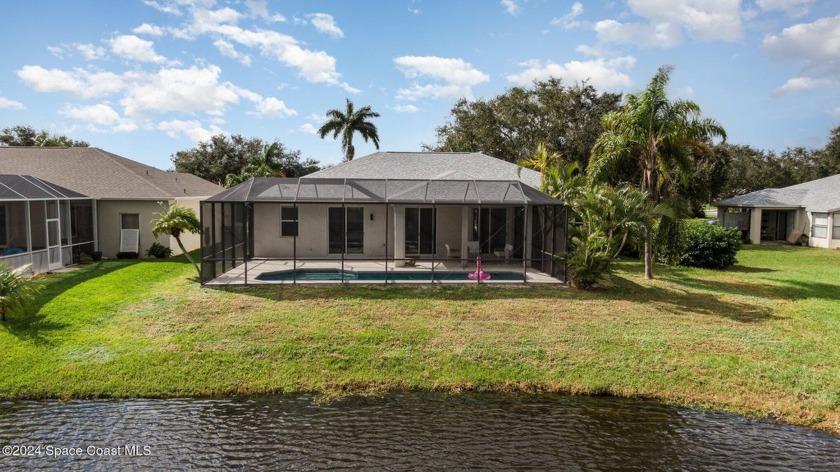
<point x="159" y="251"/>
<point x="708" y="245"/>
<point x="589" y="262"/>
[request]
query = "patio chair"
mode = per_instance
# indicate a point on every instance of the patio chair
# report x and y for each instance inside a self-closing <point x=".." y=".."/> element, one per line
<point x="452" y="252"/>
<point x="508" y="252"/>
<point x="472" y="252"/>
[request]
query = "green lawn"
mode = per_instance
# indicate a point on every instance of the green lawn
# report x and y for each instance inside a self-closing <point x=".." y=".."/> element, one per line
<point x="762" y="338"/>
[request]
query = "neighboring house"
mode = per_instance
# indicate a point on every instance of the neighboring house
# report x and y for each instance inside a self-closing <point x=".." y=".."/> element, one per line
<point x="124" y="194"/>
<point x="389" y="211"/>
<point x="810" y="208"/>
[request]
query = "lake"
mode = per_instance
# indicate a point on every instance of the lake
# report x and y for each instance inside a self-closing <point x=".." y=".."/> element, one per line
<point x="401" y="431"/>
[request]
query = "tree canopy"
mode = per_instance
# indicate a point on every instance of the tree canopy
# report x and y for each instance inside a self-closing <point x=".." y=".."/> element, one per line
<point x="349" y="122"/>
<point x="660" y="136"/>
<point x="221" y="156"/>
<point x="566" y="118"/>
<point x="22" y="135"/>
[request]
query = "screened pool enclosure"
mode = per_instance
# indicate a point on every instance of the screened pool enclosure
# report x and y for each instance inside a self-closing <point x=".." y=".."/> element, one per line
<point x="270" y="230"/>
<point x="43" y="224"/>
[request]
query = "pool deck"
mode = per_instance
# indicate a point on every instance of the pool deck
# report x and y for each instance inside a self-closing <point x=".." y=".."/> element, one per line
<point x="256" y="267"/>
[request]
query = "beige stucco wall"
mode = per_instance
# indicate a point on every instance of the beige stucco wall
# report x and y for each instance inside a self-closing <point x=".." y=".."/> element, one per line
<point x="108" y="224"/>
<point x="191" y="241"/>
<point x="312" y="241"/>
<point x="448" y="228"/>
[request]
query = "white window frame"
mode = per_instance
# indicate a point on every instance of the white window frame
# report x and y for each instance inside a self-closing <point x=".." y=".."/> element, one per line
<point x="815" y="226"/>
<point x="296" y="221"/>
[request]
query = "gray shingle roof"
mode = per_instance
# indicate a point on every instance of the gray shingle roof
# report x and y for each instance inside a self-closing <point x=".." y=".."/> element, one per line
<point x="819" y="195"/>
<point x="100" y="174"/>
<point x="429" y="165"/>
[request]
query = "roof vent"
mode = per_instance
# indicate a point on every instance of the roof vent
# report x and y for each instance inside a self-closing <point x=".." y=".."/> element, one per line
<point x="147" y="172"/>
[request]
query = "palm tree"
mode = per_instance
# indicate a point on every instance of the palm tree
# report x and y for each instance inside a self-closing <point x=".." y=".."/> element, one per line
<point x="349" y="122"/>
<point x="659" y="135"/>
<point x="265" y="164"/>
<point x="16" y="289"/>
<point x="175" y="220"/>
<point x="559" y="180"/>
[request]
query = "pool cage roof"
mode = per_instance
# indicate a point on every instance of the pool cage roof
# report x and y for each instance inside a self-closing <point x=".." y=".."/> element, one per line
<point x="27" y="187"/>
<point x="400" y="191"/>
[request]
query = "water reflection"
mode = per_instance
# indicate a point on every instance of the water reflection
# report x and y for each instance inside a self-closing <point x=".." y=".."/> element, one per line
<point x="410" y="431"/>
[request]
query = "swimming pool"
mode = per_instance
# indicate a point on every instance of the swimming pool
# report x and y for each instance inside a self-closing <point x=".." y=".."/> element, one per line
<point x="335" y="275"/>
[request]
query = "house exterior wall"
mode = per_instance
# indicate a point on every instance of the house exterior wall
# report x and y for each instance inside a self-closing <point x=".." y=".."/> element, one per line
<point x="108" y="224"/>
<point x="828" y="242"/>
<point x="191" y="241"/>
<point x="313" y="231"/>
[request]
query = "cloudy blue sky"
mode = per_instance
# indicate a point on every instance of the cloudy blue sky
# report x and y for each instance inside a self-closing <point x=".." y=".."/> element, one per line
<point x="146" y="78"/>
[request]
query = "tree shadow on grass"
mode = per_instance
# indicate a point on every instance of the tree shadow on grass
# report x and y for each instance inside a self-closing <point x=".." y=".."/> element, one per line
<point x="772" y="289"/>
<point x="676" y="301"/>
<point x="31" y="324"/>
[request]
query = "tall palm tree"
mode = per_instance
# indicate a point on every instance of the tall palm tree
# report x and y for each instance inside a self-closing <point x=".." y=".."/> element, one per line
<point x="348" y="123"/>
<point x="659" y="135"/>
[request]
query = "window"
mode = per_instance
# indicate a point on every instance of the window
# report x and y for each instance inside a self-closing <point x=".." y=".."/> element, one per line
<point x="130" y="221"/>
<point x="819" y="228"/>
<point x="289" y="221"/>
<point x="835" y="234"/>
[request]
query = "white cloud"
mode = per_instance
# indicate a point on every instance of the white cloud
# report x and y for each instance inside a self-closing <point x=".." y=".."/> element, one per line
<point x="602" y="73"/>
<point x="405" y="108"/>
<point x="308" y="128"/>
<point x="192" y="129"/>
<point x="313" y="66"/>
<point x="273" y="107"/>
<point x="148" y="29"/>
<point x="836" y="113"/>
<point x="457" y="75"/>
<point x="164" y="7"/>
<point x="511" y="7"/>
<point x="259" y="9"/>
<point x="816" y="44"/>
<point x="90" y="52"/>
<point x="569" y="20"/>
<point x="791" y="7"/>
<point x="800" y="84"/>
<point x="180" y="90"/>
<point x="415" y="11"/>
<point x="57" y="51"/>
<point x="704" y="20"/>
<point x="131" y="47"/>
<point x="641" y="34"/>
<point x="77" y="81"/>
<point x="325" y="23"/>
<point x="11" y="104"/>
<point x="227" y="50"/>
<point x="99" y="115"/>
<point x="319" y="119"/>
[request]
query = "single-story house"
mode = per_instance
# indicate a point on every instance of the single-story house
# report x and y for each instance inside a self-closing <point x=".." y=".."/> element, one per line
<point x="387" y="217"/>
<point x="105" y="203"/>
<point x="782" y="214"/>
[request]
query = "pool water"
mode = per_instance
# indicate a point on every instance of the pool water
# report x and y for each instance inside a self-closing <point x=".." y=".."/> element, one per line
<point x="335" y="275"/>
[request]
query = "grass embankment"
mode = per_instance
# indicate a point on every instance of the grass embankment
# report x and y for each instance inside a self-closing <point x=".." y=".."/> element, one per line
<point x="762" y="338"/>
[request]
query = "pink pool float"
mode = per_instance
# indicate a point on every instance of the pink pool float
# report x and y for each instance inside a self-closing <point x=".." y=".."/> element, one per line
<point x="479" y="273"/>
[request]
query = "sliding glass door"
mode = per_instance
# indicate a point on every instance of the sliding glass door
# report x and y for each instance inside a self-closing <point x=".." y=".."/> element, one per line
<point x="419" y="231"/>
<point x="492" y="230"/>
<point x="347" y="230"/>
